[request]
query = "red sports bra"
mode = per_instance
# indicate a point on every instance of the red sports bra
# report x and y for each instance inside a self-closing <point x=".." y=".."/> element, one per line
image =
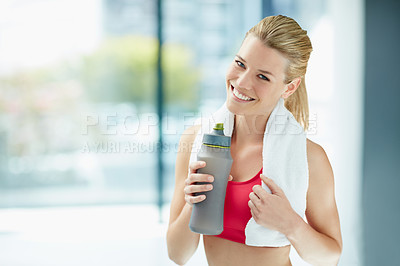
<point x="237" y="211"/>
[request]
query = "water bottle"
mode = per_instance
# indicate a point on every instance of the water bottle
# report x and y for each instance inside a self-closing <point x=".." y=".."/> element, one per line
<point x="208" y="215"/>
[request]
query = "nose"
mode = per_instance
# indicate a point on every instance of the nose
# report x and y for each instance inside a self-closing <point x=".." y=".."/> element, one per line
<point x="244" y="80"/>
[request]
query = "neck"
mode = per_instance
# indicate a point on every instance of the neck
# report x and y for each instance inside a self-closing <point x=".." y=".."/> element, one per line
<point x="249" y="129"/>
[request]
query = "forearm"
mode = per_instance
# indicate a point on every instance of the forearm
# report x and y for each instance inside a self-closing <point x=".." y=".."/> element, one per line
<point x="312" y="246"/>
<point x="181" y="241"/>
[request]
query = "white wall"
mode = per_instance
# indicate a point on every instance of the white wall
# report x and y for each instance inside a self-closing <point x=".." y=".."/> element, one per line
<point x="347" y="117"/>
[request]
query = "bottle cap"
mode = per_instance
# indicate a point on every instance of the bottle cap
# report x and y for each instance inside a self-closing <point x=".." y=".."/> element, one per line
<point x="219" y="126"/>
<point x="217" y="138"/>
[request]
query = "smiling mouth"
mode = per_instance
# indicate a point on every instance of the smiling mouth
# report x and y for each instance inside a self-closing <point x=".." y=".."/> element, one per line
<point x="241" y="96"/>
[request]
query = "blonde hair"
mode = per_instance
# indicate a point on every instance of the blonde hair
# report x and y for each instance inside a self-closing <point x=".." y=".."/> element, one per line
<point x="285" y="35"/>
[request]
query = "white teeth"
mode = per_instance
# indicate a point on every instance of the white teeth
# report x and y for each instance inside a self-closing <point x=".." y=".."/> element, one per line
<point x="241" y="96"/>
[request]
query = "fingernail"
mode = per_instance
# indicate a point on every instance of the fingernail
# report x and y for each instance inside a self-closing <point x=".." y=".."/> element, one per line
<point x="211" y="178"/>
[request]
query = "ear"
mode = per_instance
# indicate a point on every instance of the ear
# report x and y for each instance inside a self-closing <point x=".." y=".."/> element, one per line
<point x="291" y="87"/>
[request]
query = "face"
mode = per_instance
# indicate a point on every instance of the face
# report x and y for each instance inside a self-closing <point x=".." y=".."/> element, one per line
<point x="255" y="79"/>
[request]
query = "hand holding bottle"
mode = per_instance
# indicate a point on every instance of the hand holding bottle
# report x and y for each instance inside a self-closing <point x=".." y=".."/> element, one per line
<point x="192" y="188"/>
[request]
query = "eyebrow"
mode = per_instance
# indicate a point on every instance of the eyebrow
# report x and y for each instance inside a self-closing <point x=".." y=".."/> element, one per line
<point x="263" y="71"/>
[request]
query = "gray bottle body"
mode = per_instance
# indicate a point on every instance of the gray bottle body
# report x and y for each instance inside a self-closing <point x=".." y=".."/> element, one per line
<point x="208" y="216"/>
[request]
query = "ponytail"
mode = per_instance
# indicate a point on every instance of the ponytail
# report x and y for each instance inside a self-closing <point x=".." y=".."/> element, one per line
<point x="297" y="104"/>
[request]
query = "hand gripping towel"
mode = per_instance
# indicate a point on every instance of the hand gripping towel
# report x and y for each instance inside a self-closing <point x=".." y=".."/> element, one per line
<point x="284" y="158"/>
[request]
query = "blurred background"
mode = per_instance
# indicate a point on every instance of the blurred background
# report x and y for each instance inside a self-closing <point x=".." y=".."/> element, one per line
<point x="94" y="95"/>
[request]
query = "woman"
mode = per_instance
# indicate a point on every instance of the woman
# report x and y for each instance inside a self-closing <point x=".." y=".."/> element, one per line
<point x="271" y="64"/>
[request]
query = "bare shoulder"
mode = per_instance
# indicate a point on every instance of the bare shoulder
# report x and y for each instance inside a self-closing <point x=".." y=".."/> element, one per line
<point x="318" y="163"/>
<point x="184" y="150"/>
<point x="321" y="181"/>
<point x="189" y="135"/>
<point x="320" y="170"/>
<point x="315" y="153"/>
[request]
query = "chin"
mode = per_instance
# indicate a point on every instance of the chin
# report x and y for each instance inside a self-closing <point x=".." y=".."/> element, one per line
<point x="230" y="108"/>
<point x="234" y="108"/>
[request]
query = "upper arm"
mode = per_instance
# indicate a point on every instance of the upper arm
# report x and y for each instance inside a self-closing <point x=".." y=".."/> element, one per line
<point x="181" y="171"/>
<point x="321" y="210"/>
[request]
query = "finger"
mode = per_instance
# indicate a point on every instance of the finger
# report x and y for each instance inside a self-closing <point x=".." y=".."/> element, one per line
<point x="195" y="199"/>
<point x="194" y="177"/>
<point x="197" y="188"/>
<point x="254" y="215"/>
<point x="230" y="178"/>
<point x="253" y="208"/>
<point x="193" y="166"/>
<point x="275" y="189"/>
<point x="253" y="197"/>
<point x="260" y="192"/>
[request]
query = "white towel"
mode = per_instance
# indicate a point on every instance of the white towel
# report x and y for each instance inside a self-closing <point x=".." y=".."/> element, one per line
<point x="284" y="161"/>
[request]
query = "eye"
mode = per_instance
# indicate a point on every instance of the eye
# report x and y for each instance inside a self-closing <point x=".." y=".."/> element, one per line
<point x="261" y="76"/>
<point x="240" y="64"/>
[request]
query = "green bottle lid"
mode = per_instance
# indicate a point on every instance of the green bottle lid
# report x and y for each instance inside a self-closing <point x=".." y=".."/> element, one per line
<point x="216" y="138"/>
<point x="219" y="126"/>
